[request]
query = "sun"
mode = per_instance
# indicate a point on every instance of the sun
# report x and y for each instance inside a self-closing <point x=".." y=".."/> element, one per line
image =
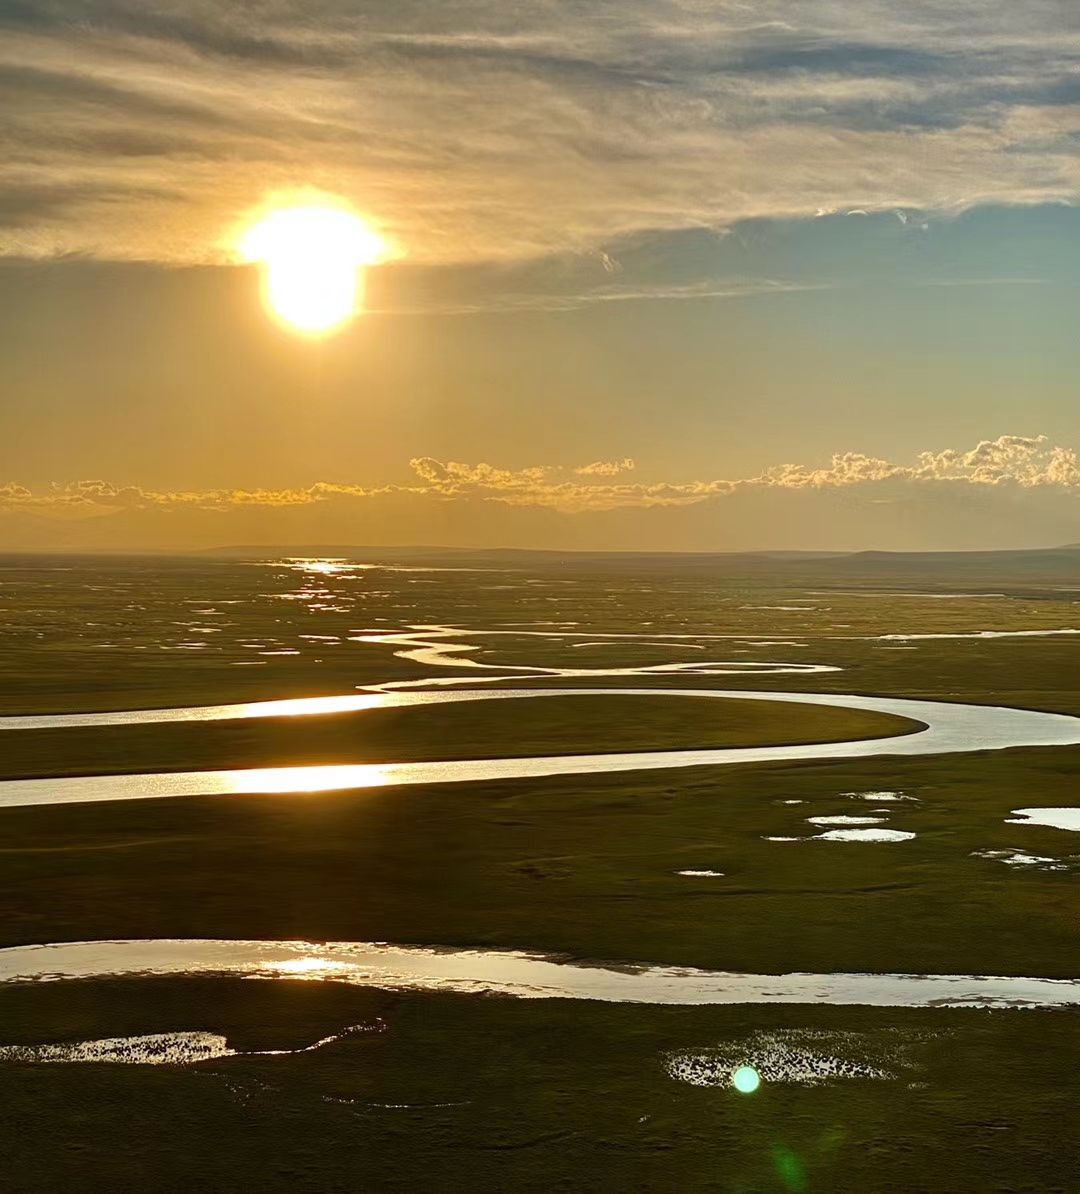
<point x="312" y="259"/>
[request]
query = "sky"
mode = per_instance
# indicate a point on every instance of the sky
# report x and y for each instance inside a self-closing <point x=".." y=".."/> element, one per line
<point x="672" y="274"/>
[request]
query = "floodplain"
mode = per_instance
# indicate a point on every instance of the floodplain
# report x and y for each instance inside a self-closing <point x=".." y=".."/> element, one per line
<point x="890" y="872"/>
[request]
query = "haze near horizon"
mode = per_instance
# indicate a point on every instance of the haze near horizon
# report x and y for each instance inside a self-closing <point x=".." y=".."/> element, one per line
<point x="701" y="277"/>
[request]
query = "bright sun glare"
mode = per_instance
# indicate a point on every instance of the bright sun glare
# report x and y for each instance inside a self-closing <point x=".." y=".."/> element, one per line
<point x="312" y="258"/>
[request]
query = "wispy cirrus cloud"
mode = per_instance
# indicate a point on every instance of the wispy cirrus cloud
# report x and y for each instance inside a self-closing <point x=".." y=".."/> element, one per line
<point x="1023" y="463"/>
<point x="472" y="129"/>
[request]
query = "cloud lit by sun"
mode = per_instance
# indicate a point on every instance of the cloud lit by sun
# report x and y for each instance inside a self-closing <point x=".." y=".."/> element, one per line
<point x="312" y="257"/>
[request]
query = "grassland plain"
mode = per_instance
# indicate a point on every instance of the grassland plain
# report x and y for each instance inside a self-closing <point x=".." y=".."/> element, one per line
<point x="575" y="725"/>
<point x="461" y="1092"/>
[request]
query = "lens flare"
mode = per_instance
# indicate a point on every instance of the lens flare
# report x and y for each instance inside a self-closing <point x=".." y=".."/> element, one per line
<point x="746" y="1079"/>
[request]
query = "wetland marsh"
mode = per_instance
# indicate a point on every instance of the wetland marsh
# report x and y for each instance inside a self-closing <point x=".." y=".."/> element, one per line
<point x="889" y="938"/>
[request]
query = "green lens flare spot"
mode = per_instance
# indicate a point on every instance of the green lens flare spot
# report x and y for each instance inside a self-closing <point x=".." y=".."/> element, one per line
<point x="746" y="1079"/>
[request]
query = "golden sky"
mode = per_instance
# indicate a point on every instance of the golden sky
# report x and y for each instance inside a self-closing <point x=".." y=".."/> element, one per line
<point x="667" y="272"/>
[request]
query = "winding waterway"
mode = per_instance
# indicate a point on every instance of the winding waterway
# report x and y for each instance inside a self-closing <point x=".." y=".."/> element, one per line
<point x="517" y="975"/>
<point x="947" y="727"/>
<point x="938" y="727"/>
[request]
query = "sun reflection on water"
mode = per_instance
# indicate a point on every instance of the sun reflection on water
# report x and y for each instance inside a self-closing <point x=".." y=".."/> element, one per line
<point x="310" y="967"/>
<point x="272" y="780"/>
<point x="312" y="706"/>
<point x="319" y="567"/>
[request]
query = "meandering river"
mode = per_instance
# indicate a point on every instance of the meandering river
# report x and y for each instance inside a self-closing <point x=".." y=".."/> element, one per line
<point x="946" y="727"/>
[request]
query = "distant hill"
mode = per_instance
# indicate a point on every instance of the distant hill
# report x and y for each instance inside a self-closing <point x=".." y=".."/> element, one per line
<point x="1053" y="561"/>
<point x="875" y="568"/>
<point x="427" y="551"/>
<point x="1049" y="567"/>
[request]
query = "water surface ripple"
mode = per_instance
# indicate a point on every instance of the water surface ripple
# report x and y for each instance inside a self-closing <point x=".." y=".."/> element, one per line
<point x="516" y="974"/>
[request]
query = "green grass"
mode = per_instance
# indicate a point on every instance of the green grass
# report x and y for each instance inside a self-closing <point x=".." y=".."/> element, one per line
<point x="546" y="1095"/>
<point x="542" y="726"/>
<point x="583" y="865"/>
<point x="459" y="1093"/>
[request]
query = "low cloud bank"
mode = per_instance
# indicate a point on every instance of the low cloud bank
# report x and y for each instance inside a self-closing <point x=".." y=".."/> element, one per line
<point x="1021" y="463"/>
